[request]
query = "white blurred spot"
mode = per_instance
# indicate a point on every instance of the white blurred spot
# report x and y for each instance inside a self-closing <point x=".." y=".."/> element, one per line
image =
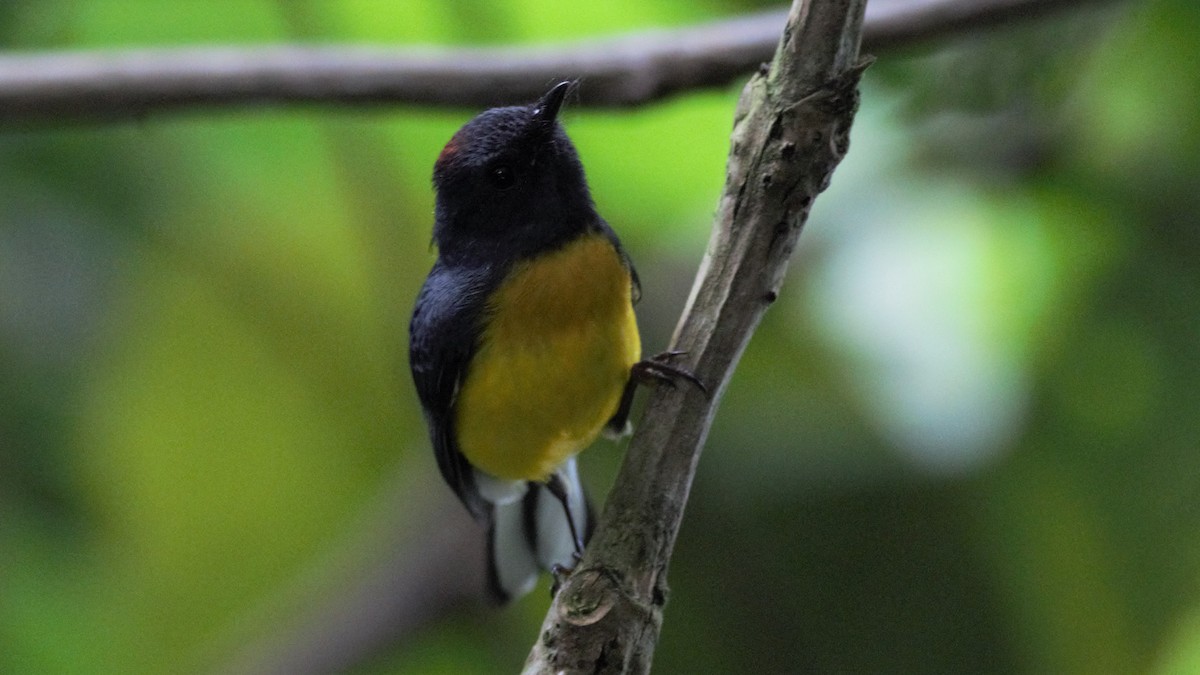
<point x="907" y="295"/>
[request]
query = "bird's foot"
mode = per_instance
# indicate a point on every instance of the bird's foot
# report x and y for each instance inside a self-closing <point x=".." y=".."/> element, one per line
<point x="562" y="572"/>
<point x="658" y="369"/>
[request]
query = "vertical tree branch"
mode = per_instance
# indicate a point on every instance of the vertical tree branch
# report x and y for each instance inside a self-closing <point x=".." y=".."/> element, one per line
<point x="791" y="130"/>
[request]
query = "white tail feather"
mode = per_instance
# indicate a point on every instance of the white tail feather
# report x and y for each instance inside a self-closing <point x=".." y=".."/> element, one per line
<point x="532" y="534"/>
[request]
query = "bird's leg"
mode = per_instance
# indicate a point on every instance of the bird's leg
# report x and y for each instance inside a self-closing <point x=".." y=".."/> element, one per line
<point x="650" y="371"/>
<point x="618" y="425"/>
<point x="558" y="488"/>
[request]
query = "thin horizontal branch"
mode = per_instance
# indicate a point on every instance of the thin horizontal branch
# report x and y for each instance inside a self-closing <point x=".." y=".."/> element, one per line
<point x="49" y="88"/>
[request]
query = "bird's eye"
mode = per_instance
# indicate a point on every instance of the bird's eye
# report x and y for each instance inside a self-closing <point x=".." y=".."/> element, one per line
<point x="502" y="176"/>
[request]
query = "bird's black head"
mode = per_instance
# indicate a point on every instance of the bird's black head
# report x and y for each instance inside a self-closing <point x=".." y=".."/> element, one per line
<point x="510" y="182"/>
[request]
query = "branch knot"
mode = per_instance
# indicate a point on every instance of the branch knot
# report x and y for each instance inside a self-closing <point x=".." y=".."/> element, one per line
<point x="589" y="595"/>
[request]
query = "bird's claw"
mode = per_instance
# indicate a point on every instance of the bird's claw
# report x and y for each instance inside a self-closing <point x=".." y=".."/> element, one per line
<point x="657" y="369"/>
<point x="561" y="573"/>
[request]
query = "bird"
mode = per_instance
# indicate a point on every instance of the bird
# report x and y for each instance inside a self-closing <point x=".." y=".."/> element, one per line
<point x="523" y="344"/>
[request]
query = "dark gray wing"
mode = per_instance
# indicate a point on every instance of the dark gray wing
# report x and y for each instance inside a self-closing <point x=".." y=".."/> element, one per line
<point x="443" y="336"/>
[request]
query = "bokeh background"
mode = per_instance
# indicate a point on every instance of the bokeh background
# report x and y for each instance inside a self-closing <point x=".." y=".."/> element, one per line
<point x="966" y="439"/>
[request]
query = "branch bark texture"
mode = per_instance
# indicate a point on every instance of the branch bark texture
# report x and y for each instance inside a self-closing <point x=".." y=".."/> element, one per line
<point x="791" y="130"/>
<point x="39" y="89"/>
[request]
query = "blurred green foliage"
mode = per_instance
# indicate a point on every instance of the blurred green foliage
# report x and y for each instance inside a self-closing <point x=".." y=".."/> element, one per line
<point x="967" y="439"/>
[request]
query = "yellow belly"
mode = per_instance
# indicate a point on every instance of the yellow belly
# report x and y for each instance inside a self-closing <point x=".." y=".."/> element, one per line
<point x="552" y="362"/>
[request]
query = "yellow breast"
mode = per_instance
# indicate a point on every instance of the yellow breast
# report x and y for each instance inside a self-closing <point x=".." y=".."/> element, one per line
<point x="552" y="362"/>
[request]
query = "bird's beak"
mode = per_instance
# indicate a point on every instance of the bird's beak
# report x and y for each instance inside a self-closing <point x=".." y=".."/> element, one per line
<point x="547" y="108"/>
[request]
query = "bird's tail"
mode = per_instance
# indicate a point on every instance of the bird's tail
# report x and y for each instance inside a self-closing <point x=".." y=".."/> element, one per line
<point x="531" y="534"/>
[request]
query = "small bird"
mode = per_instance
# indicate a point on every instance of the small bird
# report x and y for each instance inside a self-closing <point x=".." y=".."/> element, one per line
<point x="523" y="342"/>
